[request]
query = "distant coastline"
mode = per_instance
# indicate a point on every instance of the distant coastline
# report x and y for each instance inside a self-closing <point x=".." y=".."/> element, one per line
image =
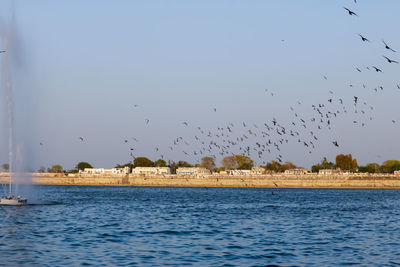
<point x="366" y="181"/>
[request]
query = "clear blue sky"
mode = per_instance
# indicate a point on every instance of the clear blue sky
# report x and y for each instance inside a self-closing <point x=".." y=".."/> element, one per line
<point x="83" y="65"/>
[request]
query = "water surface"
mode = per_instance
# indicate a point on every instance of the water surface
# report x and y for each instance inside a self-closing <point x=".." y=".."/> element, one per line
<point x="122" y="226"/>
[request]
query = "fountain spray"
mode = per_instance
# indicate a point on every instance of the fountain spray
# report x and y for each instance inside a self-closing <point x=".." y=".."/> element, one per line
<point x="7" y="85"/>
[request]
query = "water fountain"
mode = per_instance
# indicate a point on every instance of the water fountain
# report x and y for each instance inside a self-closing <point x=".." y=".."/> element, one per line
<point x="6" y="84"/>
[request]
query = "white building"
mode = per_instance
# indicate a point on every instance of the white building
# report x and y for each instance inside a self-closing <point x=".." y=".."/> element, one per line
<point x="330" y="171"/>
<point x="257" y="170"/>
<point x="125" y="170"/>
<point x="297" y="171"/>
<point x="240" y="172"/>
<point x="192" y="171"/>
<point x="151" y="170"/>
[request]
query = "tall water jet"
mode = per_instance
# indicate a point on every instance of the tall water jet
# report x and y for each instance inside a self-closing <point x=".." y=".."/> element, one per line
<point x="6" y="83"/>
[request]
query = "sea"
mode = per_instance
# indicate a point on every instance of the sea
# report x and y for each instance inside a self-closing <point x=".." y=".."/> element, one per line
<point x="154" y="226"/>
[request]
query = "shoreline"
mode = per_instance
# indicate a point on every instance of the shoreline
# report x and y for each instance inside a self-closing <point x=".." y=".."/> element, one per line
<point x="351" y="181"/>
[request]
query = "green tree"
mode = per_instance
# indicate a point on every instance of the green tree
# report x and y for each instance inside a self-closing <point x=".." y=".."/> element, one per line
<point x="83" y="165"/>
<point x="346" y="162"/>
<point x="373" y="168"/>
<point x="244" y="162"/>
<point x="230" y="163"/>
<point x="370" y="168"/>
<point x="273" y="166"/>
<point x="208" y="163"/>
<point x="130" y="165"/>
<point x="5" y="166"/>
<point x="175" y="165"/>
<point x="56" y="168"/>
<point x="220" y="169"/>
<point x="142" y="162"/>
<point x="287" y="166"/>
<point x="316" y="167"/>
<point x="184" y="164"/>
<point x="390" y="166"/>
<point x="160" y="163"/>
<point x="325" y="164"/>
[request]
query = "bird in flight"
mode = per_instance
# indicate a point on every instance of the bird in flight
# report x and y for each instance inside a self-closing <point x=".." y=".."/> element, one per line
<point x="388" y="47"/>
<point x="2" y="51"/>
<point x="377" y="69"/>
<point x="391" y="60"/>
<point x="363" y="38"/>
<point x="335" y="143"/>
<point x="351" y="13"/>
<point x="81" y="138"/>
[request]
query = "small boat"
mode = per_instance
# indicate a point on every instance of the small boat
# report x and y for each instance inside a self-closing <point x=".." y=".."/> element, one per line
<point x="12" y="200"/>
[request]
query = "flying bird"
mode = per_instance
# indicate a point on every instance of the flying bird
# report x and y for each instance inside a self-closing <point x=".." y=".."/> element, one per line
<point x="387" y="47"/>
<point x="363" y="38"/>
<point x="335" y="143"/>
<point x="391" y="60"/>
<point x="81" y="138"/>
<point x="377" y="69"/>
<point x="351" y="13"/>
<point x="2" y="51"/>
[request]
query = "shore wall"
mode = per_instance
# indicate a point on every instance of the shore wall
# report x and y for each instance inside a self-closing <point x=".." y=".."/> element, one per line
<point x="370" y="181"/>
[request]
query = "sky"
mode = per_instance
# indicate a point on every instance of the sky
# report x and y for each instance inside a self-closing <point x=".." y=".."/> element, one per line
<point x="100" y="69"/>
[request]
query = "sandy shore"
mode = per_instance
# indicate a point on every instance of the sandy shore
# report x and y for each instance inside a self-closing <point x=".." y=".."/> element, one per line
<point x="369" y="181"/>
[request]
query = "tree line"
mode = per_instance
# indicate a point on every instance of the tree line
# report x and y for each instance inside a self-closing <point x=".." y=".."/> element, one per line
<point x="240" y="162"/>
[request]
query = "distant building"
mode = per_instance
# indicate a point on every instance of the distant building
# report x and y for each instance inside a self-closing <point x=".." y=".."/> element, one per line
<point x="192" y="171"/>
<point x="257" y="170"/>
<point x="330" y="171"/>
<point x="297" y="171"/>
<point x="240" y="172"/>
<point x="151" y="170"/>
<point x="125" y="170"/>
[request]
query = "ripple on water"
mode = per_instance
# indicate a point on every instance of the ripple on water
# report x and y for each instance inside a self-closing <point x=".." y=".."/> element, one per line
<point x="193" y="226"/>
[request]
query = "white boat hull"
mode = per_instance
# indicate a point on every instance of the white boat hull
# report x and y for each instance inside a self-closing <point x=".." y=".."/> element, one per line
<point x="13" y="201"/>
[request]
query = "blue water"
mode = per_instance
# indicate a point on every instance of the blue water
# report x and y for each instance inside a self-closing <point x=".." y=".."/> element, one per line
<point x="121" y="226"/>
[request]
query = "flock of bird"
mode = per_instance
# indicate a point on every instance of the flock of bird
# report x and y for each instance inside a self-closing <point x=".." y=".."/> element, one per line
<point x="264" y="141"/>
